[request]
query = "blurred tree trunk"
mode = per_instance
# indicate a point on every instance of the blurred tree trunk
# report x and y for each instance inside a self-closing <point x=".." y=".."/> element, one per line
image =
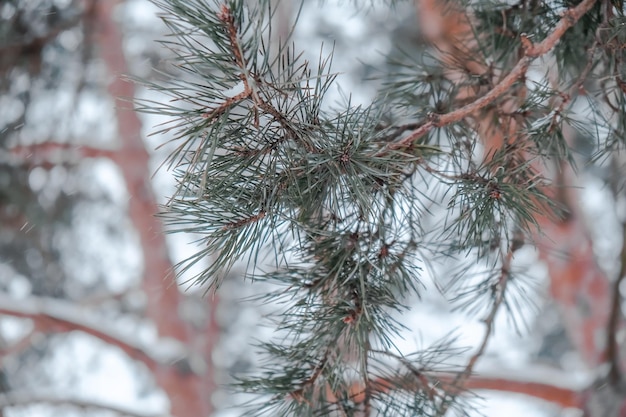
<point x="182" y="382"/>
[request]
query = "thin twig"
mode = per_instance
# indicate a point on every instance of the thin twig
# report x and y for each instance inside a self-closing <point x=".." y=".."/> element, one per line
<point x="227" y="17"/>
<point x="298" y="394"/>
<point x="244" y="222"/>
<point x="367" y="401"/>
<point x="499" y="291"/>
<point x="229" y="102"/>
<point x="250" y="91"/>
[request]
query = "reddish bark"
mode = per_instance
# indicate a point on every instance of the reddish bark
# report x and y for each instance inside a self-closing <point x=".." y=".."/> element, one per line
<point x="47" y="317"/>
<point x="561" y="396"/>
<point x="49" y="154"/>
<point x="209" y="342"/>
<point x="578" y="286"/>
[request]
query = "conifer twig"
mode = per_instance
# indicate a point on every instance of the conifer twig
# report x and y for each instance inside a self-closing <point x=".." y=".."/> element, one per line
<point x="298" y="394"/>
<point x="244" y="222"/>
<point x="249" y="80"/>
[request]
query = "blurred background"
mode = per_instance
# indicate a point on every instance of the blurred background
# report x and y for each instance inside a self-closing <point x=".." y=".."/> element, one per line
<point x="92" y="319"/>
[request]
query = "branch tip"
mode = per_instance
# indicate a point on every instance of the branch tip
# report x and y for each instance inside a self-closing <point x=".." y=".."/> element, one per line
<point x="224" y="14"/>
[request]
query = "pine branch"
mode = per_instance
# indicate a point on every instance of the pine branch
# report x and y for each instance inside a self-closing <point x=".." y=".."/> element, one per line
<point x="499" y="291"/>
<point x="531" y="51"/>
<point x="337" y="194"/>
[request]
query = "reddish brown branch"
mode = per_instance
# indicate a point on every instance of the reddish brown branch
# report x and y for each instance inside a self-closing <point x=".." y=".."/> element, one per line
<point x="209" y="339"/>
<point x="58" y="316"/>
<point x="615" y="316"/>
<point x="221" y="109"/>
<point x="454" y="116"/>
<point x="531" y="51"/>
<point x="561" y="396"/>
<point x="564" y="397"/>
<point x="226" y="16"/>
<point x="56" y="153"/>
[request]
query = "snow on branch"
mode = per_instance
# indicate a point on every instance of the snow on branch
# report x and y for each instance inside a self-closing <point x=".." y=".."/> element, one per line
<point x="56" y="315"/>
<point x="26" y="398"/>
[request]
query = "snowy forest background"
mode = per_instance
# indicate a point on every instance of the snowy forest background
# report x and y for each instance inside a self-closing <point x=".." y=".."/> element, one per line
<point x="91" y="321"/>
